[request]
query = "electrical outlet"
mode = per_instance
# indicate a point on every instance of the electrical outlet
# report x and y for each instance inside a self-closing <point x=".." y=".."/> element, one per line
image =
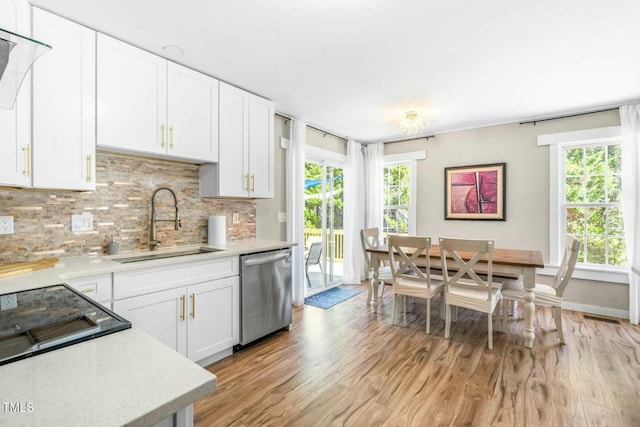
<point x="281" y="217"/>
<point x="8" y="301"/>
<point x="6" y="225"/>
<point x="235" y="218"/>
<point x="80" y="223"/>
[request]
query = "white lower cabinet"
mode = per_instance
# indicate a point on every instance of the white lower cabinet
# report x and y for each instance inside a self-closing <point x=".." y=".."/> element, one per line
<point x="98" y="287"/>
<point x="197" y="313"/>
<point x="197" y="321"/>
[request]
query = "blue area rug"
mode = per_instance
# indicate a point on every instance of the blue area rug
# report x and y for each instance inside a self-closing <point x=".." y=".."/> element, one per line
<point x="330" y="297"/>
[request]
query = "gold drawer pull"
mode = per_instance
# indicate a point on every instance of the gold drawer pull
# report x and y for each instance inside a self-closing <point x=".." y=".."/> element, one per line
<point x="27" y="160"/>
<point x="193" y="306"/>
<point x="89" y="168"/>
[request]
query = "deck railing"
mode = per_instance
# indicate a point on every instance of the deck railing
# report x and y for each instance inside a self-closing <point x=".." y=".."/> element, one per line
<point x="338" y="243"/>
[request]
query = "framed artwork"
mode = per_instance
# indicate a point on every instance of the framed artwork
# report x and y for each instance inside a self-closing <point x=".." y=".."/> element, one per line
<point x="475" y="192"/>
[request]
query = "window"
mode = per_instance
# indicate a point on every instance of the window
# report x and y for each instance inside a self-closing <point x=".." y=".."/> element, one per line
<point x="397" y="198"/>
<point x="585" y="201"/>
<point x="592" y="202"/>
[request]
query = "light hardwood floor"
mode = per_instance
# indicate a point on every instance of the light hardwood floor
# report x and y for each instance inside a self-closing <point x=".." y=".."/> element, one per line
<point x="348" y="366"/>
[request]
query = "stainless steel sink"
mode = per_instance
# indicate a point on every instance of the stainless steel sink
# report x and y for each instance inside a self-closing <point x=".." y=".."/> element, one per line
<point x="160" y="255"/>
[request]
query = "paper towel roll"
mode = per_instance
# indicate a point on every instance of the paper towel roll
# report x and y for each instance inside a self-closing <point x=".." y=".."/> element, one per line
<point x="217" y="229"/>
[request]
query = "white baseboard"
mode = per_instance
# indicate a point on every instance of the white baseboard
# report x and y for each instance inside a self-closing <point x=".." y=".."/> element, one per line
<point x="594" y="309"/>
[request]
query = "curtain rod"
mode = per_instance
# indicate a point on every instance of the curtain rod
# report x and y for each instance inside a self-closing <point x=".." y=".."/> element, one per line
<point x="567" y="116"/>
<point x="323" y="132"/>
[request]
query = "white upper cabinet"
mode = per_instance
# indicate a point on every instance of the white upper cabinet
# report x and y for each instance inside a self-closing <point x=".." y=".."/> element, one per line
<point x="245" y="164"/>
<point x="149" y="105"/>
<point x="192" y="114"/>
<point x="261" y="149"/>
<point x="64" y="82"/>
<point x="15" y="124"/>
<point x="132" y="98"/>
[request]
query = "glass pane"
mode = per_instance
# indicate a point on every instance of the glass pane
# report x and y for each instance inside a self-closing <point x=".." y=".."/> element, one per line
<point x="575" y="221"/>
<point x="595" y="156"/>
<point x="574" y="158"/>
<point x="614" y="187"/>
<point x="596" y="221"/>
<point x="402" y="218"/>
<point x="615" y="222"/>
<point x="595" y="250"/>
<point x="615" y="158"/>
<point x="617" y="252"/>
<point x="574" y="190"/>
<point x="581" y="252"/>
<point x="595" y="189"/>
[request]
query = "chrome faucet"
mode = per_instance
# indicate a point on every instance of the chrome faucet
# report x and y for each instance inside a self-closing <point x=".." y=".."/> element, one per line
<point x="153" y="234"/>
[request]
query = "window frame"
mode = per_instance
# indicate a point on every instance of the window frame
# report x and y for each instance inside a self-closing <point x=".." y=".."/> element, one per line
<point x="557" y="142"/>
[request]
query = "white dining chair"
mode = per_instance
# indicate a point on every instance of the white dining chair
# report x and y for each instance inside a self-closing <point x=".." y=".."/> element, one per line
<point x="409" y="278"/>
<point x="546" y="295"/>
<point x="463" y="286"/>
<point x="370" y="238"/>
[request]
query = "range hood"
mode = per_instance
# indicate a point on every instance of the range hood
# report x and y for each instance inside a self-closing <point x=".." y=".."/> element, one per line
<point x="17" y="53"/>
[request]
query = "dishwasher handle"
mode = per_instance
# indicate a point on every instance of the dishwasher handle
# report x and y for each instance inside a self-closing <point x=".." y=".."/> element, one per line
<point x="265" y="260"/>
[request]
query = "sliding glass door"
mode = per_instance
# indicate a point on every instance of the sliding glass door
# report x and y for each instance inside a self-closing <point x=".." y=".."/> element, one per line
<point x="323" y="224"/>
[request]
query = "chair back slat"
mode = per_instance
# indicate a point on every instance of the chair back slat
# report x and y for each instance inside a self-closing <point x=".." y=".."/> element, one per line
<point x="407" y="254"/>
<point x="461" y="272"/>
<point x="568" y="264"/>
<point x="369" y="238"/>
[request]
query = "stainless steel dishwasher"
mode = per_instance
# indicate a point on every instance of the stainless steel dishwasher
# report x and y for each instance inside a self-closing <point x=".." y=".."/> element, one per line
<point x="265" y="294"/>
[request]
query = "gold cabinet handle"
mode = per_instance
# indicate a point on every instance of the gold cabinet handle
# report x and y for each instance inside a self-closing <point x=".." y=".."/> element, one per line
<point x="246" y="177"/>
<point x="27" y="160"/>
<point x="193" y="306"/>
<point x="171" y="136"/>
<point x="164" y="142"/>
<point x="183" y="302"/>
<point x="89" y="168"/>
<point x="86" y="290"/>
<point x="253" y="182"/>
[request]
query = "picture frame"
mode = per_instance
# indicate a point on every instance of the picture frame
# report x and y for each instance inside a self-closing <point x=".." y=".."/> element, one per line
<point x="475" y="192"/>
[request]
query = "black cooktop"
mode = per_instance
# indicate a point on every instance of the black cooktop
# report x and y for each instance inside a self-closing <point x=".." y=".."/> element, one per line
<point x="49" y="318"/>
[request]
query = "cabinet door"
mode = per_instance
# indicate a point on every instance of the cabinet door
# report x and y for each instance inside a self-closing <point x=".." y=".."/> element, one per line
<point x="64" y="105"/>
<point x="261" y="149"/>
<point x="233" y="168"/>
<point x="131" y="98"/>
<point x="192" y="103"/>
<point x="214" y="317"/>
<point x="162" y="315"/>
<point x="15" y="124"/>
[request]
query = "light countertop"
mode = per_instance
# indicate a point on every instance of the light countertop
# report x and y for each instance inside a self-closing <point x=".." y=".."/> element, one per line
<point x="85" y="266"/>
<point x="123" y="378"/>
<point x="127" y="377"/>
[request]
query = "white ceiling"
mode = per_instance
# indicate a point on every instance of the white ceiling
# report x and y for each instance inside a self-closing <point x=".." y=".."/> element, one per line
<point x="352" y="67"/>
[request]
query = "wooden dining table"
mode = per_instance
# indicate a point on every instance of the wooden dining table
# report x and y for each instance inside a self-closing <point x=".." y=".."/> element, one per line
<point x="506" y="263"/>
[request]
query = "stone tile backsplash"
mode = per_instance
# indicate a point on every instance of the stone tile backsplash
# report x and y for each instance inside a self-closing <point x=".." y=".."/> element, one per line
<point x="121" y="206"/>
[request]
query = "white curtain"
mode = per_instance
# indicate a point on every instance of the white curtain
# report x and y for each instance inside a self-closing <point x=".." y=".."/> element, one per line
<point x="373" y="168"/>
<point x="295" y="207"/>
<point x="354" y="208"/>
<point x="630" y="124"/>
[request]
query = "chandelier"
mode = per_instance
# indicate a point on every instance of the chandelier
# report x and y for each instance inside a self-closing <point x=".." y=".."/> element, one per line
<point x="413" y="123"/>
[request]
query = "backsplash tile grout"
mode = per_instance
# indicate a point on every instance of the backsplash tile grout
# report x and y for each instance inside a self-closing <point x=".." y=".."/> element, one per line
<point x="120" y="205"/>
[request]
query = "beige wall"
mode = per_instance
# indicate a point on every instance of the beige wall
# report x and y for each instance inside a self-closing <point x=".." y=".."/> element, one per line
<point x="267" y="226"/>
<point x="527" y="192"/>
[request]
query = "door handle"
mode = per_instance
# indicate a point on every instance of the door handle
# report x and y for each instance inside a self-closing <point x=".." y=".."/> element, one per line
<point x="183" y="303"/>
<point x="171" y="137"/>
<point x="163" y="139"/>
<point x="266" y="260"/>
